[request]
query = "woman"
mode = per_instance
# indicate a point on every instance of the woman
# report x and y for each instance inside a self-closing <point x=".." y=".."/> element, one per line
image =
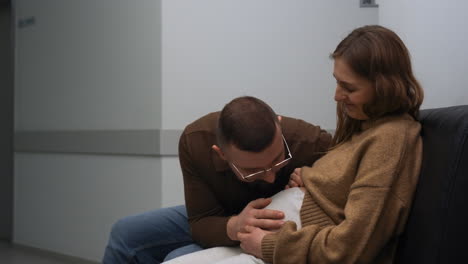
<point x="357" y="197"/>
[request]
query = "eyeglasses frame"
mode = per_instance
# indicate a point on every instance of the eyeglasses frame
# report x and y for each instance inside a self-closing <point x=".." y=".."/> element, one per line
<point x="266" y="170"/>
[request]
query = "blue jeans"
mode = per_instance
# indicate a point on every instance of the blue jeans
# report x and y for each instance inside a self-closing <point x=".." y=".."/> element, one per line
<point x="151" y="237"/>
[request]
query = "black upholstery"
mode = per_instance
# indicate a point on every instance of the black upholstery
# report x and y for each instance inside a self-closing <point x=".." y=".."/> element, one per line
<point x="437" y="228"/>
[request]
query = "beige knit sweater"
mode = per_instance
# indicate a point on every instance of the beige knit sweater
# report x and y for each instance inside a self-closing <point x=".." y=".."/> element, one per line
<point x="358" y="198"/>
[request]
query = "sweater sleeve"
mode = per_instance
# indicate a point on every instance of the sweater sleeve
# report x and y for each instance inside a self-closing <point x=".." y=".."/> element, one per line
<point x="357" y="239"/>
<point x="372" y="215"/>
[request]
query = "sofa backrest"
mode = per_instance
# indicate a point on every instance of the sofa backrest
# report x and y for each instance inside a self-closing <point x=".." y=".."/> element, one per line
<point x="437" y="227"/>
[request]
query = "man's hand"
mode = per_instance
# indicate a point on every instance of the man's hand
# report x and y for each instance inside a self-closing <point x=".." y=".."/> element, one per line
<point x="251" y="240"/>
<point x="295" y="180"/>
<point x="255" y="215"/>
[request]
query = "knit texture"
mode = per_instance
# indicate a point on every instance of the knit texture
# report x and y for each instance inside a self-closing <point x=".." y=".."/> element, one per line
<point x="358" y="198"/>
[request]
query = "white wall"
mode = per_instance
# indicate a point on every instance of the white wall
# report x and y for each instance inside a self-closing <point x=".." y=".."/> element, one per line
<point x="67" y="203"/>
<point x="88" y="65"/>
<point x="215" y="50"/>
<point x="436" y="33"/>
<point x="172" y="186"/>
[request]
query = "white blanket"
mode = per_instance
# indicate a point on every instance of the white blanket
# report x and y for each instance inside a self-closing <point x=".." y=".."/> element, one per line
<point x="289" y="201"/>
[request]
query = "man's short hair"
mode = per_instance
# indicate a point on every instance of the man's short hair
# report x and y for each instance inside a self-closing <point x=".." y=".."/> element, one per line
<point x="247" y="123"/>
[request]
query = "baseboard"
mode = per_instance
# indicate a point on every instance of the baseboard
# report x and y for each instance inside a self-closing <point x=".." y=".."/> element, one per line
<point x="52" y="254"/>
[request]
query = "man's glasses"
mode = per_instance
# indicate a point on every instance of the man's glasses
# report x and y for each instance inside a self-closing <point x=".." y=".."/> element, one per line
<point x="262" y="173"/>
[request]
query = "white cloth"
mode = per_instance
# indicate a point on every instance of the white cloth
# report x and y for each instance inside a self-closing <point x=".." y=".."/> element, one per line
<point x="288" y="201"/>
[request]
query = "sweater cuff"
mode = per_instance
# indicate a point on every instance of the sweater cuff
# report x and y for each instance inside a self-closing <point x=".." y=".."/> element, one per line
<point x="268" y="247"/>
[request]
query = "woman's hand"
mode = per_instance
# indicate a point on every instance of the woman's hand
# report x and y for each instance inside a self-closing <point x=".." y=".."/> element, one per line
<point x="251" y="240"/>
<point x="295" y="180"/>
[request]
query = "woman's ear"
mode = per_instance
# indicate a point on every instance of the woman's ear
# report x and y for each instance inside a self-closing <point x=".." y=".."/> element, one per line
<point x="219" y="152"/>
<point x="279" y="118"/>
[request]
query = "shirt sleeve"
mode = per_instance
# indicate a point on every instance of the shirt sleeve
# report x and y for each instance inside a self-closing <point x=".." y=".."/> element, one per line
<point x="206" y="216"/>
<point x="310" y="143"/>
<point x="324" y="142"/>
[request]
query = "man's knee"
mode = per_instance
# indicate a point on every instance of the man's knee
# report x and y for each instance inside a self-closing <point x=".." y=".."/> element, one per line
<point x="120" y="232"/>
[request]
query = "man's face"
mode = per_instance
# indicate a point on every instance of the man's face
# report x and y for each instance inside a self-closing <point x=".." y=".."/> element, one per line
<point x="245" y="163"/>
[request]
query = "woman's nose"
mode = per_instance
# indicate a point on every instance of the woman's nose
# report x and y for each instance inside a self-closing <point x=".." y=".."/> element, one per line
<point x="339" y="95"/>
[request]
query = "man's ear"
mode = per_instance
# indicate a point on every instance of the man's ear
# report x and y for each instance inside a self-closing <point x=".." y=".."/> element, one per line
<point x="279" y="118"/>
<point x="219" y="152"/>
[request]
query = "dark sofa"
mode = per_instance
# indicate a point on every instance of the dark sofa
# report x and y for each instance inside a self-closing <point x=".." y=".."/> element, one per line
<point x="437" y="228"/>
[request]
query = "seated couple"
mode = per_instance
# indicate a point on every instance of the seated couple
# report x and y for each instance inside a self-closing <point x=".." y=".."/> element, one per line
<point x="347" y="198"/>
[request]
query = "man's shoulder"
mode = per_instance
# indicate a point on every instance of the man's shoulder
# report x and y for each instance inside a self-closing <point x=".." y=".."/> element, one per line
<point x="198" y="136"/>
<point x="307" y="141"/>
<point x="299" y="129"/>
<point x="204" y="124"/>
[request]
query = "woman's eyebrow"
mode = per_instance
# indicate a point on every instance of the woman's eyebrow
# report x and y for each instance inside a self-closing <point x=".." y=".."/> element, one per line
<point x="341" y="81"/>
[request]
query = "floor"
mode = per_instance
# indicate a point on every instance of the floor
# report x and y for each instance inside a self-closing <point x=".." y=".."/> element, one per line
<point x="21" y="255"/>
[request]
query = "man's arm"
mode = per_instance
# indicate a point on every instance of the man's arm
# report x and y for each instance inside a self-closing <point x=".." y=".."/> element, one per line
<point x="210" y="226"/>
<point x="206" y="216"/>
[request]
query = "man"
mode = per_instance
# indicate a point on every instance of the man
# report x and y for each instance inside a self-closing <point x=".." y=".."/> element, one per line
<point x="231" y="160"/>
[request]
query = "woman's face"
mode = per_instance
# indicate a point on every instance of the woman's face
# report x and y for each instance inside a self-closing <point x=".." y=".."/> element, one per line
<point x="352" y="90"/>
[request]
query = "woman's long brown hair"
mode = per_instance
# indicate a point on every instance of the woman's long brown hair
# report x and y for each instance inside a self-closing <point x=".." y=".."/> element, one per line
<point x="379" y="55"/>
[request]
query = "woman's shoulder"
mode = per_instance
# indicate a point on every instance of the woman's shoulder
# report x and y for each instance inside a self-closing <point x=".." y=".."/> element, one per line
<point x="394" y="128"/>
<point x="393" y="123"/>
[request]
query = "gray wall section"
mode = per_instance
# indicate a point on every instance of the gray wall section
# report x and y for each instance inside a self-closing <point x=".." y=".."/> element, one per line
<point x="107" y="142"/>
<point x="6" y="128"/>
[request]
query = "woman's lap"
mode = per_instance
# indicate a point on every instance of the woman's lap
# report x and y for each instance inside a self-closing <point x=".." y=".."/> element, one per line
<point x="210" y="255"/>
